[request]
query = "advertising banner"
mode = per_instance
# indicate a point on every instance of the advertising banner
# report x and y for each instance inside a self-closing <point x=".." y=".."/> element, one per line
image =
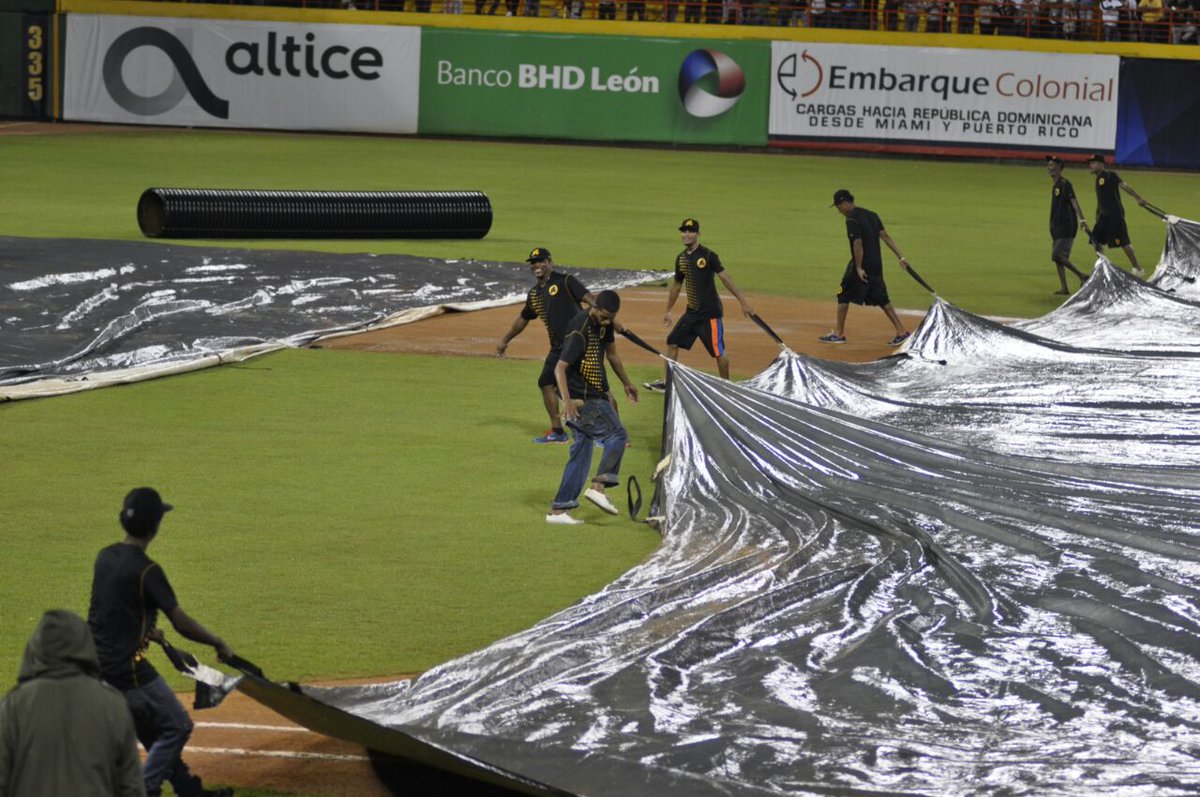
<point x="978" y="99"/>
<point x="1159" y="113"/>
<point x="594" y="87"/>
<point x="227" y="73"/>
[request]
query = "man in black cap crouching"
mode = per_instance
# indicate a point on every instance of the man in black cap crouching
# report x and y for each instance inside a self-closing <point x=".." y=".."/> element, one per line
<point x="128" y="591"/>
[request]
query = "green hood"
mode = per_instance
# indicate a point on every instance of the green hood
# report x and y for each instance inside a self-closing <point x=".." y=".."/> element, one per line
<point x="61" y="646"/>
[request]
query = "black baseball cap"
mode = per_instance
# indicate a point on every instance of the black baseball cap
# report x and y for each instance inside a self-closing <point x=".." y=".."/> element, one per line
<point x="689" y="225"/>
<point x="538" y="254"/>
<point x="142" y="511"/>
<point x="1097" y="157"/>
<point x="841" y="195"/>
<point x="1054" y="159"/>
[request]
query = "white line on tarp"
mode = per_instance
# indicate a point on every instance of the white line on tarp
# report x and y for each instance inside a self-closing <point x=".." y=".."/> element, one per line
<point x="237" y="751"/>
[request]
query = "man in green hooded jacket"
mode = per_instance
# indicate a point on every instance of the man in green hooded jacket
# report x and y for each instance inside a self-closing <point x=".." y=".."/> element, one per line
<point x="63" y="733"/>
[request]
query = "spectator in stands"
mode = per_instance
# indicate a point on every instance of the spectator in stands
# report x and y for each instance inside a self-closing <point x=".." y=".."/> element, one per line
<point x="1110" y="18"/>
<point x="891" y="14"/>
<point x="912" y="15"/>
<point x="634" y="8"/>
<point x="986" y="12"/>
<point x="451" y="6"/>
<point x="935" y="16"/>
<point x="1184" y="14"/>
<point x="1151" y="14"/>
<point x="533" y="8"/>
<point x="691" y="11"/>
<point x="818" y="14"/>
<point x="966" y="15"/>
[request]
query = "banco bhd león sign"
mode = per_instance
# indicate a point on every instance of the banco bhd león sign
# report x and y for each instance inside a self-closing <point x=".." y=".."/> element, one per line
<point x="213" y="73"/>
<point x="593" y="87"/>
<point x="909" y="95"/>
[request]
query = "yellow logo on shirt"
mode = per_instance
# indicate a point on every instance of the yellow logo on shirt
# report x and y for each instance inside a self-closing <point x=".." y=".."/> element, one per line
<point x="1057" y="191"/>
<point x="552" y="290"/>
<point x="1100" y="181"/>
<point x="702" y="263"/>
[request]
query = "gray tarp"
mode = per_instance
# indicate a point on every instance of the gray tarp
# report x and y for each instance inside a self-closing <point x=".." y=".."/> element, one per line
<point x="970" y="569"/>
<point x="76" y="314"/>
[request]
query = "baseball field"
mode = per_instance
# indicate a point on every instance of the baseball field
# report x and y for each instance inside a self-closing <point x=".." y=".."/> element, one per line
<point x="349" y="514"/>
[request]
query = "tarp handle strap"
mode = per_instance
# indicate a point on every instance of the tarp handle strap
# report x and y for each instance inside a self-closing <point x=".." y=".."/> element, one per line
<point x="639" y="342"/>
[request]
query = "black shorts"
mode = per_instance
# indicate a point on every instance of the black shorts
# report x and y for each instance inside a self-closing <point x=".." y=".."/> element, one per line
<point x="547" y="377"/>
<point x="873" y="292"/>
<point x="1110" y="231"/>
<point x="1060" y="250"/>
<point x="689" y="328"/>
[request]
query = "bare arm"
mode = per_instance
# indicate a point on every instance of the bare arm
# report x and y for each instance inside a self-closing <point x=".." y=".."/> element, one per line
<point x="517" y="328"/>
<point x="1127" y="188"/>
<point x="856" y="248"/>
<point x="190" y="628"/>
<point x="887" y="239"/>
<point x="569" y="412"/>
<point x="672" y="295"/>
<point x="734" y="290"/>
<point x="614" y="359"/>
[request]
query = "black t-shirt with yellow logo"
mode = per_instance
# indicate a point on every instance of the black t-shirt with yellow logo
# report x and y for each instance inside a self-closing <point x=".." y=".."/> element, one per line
<point x="556" y="302"/>
<point x="1062" y="213"/>
<point x="1108" y="195"/>
<point x="584" y="345"/>
<point x="698" y="272"/>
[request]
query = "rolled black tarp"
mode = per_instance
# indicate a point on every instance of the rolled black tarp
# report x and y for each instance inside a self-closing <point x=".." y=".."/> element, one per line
<point x="228" y="213"/>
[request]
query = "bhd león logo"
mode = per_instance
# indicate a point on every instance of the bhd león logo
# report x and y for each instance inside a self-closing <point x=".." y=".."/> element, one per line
<point x="709" y="69"/>
<point x="186" y="79"/>
<point x="800" y="75"/>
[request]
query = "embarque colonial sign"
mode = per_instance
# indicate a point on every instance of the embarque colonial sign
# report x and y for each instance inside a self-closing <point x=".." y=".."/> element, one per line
<point x="935" y="96"/>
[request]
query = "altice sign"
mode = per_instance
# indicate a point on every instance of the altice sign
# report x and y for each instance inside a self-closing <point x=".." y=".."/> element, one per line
<point x="227" y="73"/>
<point x="920" y="96"/>
<point x="593" y="87"/>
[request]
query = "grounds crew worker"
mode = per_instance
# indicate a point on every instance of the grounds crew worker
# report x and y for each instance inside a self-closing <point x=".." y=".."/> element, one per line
<point x="63" y="733"/>
<point x="128" y="591"/>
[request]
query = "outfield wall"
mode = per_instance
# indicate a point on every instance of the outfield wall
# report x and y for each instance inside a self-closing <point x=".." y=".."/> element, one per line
<point x="246" y="67"/>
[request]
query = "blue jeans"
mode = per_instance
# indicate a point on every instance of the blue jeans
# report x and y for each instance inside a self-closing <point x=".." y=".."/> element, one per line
<point x="598" y="422"/>
<point x="163" y="728"/>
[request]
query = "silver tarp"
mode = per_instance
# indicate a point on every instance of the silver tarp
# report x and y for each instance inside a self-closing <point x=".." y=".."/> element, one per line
<point x="83" y="313"/>
<point x="972" y="568"/>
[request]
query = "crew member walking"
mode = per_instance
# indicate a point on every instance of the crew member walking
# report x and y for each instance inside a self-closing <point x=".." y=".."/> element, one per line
<point x="1110" y="229"/>
<point x="1066" y="218"/>
<point x="862" y="283"/>
<point x="696" y="271"/>
<point x="555" y="299"/>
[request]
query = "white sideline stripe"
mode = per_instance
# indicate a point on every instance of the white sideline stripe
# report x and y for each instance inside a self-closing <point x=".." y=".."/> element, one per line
<point x="238" y="751"/>
<point x="248" y="727"/>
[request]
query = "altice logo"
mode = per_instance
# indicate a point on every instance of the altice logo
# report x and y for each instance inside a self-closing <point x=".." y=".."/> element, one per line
<point x="695" y="83"/>
<point x="186" y="79"/>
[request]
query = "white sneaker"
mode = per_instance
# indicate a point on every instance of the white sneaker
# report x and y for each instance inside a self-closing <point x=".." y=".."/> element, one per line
<point x="601" y="500"/>
<point x="562" y="519"/>
<point x="1137" y="272"/>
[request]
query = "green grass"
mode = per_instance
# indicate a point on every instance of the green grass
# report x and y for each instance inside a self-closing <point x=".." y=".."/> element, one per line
<point x="976" y="231"/>
<point x="338" y="513"/>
